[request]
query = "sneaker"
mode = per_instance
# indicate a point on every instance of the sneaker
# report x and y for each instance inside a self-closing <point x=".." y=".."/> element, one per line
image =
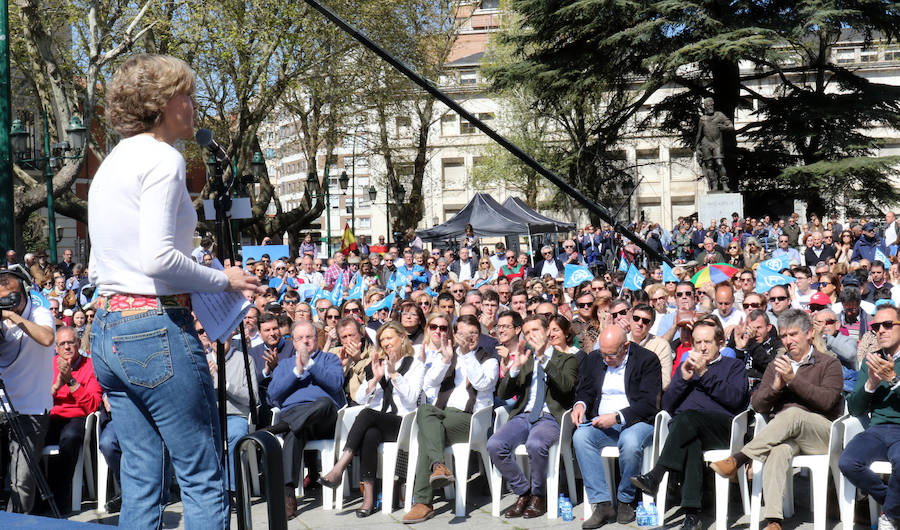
<point x="886" y="523"/>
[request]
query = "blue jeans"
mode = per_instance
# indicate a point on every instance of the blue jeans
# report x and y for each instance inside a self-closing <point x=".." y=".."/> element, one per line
<point x="155" y="373"/>
<point x="589" y="441"/>
<point x="878" y="442"/>
<point x="237" y="429"/>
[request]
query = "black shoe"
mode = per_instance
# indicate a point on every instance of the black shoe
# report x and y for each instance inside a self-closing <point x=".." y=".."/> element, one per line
<point x="114" y="505"/>
<point x="327" y="483"/>
<point x="625" y="513"/>
<point x="692" y="522"/>
<point x="603" y="513"/>
<point x="648" y="483"/>
<point x="365" y="512"/>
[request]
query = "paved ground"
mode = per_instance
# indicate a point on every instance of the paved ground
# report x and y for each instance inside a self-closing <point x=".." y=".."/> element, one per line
<point x="311" y="515"/>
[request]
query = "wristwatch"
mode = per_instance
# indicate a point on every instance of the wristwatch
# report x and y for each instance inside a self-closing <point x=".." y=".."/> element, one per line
<point x="71" y="381"/>
<point x="893" y="382"/>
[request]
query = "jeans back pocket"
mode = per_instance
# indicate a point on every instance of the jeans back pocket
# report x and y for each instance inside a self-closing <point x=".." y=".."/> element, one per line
<point x="145" y="357"/>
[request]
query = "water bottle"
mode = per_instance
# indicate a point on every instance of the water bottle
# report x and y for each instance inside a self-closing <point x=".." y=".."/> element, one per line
<point x="640" y="515"/>
<point x="559" y="504"/>
<point x="378" y="503"/>
<point x="567" y="510"/>
<point x="653" y="516"/>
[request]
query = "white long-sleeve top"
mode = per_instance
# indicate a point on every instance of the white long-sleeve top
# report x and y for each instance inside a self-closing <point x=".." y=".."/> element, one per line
<point x="142" y="222"/>
<point x="482" y="376"/>
<point x="406" y="389"/>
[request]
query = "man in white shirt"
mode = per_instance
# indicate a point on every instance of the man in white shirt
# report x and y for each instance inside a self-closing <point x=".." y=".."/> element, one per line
<point x="308" y="274"/>
<point x="465" y="268"/>
<point x="26" y="357"/>
<point x="725" y="311"/>
<point x="465" y="381"/>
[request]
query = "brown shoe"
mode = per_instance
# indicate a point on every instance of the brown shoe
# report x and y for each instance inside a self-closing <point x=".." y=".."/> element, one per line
<point x="441" y="477"/>
<point x="726" y="468"/>
<point x="419" y="513"/>
<point x="290" y="502"/>
<point x="517" y="509"/>
<point x="536" y="508"/>
<point x="773" y="525"/>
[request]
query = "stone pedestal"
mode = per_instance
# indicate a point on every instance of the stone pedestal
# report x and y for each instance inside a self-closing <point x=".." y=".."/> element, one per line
<point x="716" y="205"/>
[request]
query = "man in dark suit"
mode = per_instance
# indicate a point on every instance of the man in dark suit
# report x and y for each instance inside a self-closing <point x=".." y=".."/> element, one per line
<point x="464" y="267"/>
<point x="547" y="264"/>
<point x="543" y="381"/>
<point x="819" y="251"/>
<point x="615" y="402"/>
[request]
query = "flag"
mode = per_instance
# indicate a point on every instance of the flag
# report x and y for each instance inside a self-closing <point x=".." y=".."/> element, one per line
<point x="879" y="256"/>
<point x="307" y="290"/>
<point x="337" y="294"/>
<point x="386" y="303"/>
<point x="348" y="240"/>
<point x="623" y="263"/>
<point x="576" y="275"/>
<point x="668" y="274"/>
<point x="430" y="293"/>
<point x="358" y="289"/>
<point x="776" y="264"/>
<point x="633" y="279"/>
<point x="767" y="278"/>
<point x="479" y="283"/>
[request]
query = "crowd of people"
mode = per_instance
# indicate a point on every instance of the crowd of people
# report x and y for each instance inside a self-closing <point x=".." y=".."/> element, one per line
<point x="389" y="330"/>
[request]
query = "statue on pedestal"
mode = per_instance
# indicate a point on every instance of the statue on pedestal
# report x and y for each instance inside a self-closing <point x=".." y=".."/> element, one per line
<point x="709" y="145"/>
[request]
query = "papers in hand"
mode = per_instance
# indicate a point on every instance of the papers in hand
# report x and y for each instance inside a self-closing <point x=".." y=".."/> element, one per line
<point x="219" y="313"/>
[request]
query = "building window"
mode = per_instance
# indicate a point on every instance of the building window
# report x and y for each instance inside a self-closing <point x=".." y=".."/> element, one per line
<point x="468" y="77"/>
<point x="403" y="124"/>
<point x="892" y="54"/>
<point x="364" y="223"/>
<point x="490" y="4"/>
<point x="448" y="125"/>
<point x="454" y="173"/>
<point x="466" y="127"/>
<point x="868" y="56"/>
<point x="845" y="55"/>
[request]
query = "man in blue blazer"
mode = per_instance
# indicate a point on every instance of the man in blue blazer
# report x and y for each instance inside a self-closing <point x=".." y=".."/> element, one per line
<point x="615" y="402"/>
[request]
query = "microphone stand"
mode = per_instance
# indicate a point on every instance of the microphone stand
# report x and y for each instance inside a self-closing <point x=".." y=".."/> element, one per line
<point x="224" y="239"/>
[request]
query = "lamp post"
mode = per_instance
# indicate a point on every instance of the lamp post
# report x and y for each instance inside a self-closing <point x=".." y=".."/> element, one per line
<point x="343" y="182"/>
<point x="51" y="160"/>
<point x="311" y="181"/>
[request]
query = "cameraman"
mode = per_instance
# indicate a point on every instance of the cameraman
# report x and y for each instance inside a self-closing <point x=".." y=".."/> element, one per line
<point x="26" y="366"/>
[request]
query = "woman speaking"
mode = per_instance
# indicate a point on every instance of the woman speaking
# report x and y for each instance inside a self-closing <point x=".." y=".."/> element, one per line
<point x="146" y="353"/>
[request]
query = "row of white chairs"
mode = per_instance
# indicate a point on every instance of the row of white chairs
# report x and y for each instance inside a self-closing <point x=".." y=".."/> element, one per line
<point x="457" y="457"/>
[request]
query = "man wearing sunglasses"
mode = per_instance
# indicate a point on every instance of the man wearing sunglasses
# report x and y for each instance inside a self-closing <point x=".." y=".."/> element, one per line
<point x="642" y="317"/>
<point x="685" y="303"/>
<point x="875" y="397"/>
<point x="779" y="301"/>
<point x="463" y="379"/>
<point x="801" y="387"/>
<point x="618" y="387"/>
<point x="756" y="342"/>
<point x="827" y="326"/>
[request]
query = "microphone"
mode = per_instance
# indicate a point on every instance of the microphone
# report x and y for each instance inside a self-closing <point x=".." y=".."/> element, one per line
<point x="204" y="138"/>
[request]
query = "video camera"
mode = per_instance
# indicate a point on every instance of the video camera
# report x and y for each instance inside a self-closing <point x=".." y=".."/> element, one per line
<point x="11" y="301"/>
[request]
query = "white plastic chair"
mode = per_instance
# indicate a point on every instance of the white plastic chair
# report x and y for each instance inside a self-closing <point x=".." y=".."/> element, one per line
<point x="561" y="450"/>
<point x="818" y="466"/>
<point x="388" y="452"/>
<point x="609" y="455"/>
<point x="84" y="467"/>
<point x="738" y="430"/>
<point x="327" y="449"/>
<point x="846" y="490"/>
<point x="458" y="454"/>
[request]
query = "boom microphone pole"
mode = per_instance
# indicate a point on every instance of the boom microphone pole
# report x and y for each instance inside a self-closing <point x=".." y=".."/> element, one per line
<point x="595" y="208"/>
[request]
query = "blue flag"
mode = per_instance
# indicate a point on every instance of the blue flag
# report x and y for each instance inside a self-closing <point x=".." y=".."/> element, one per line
<point x="307" y="290"/>
<point x="430" y="292"/>
<point x="633" y="279"/>
<point x="879" y="256"/>
<point x="386" y="303"/>
<point x="479" y="283"/>
<point x="776" y="264"/>
<point x="576" y="275"/>
<point x="623" y="263"/>
<point x="39" y="300"/>
<point x="357" y="292"/>
<point x="668" y="274"/>
<point x="767" y="278"/>
<point x="337" y="294"/>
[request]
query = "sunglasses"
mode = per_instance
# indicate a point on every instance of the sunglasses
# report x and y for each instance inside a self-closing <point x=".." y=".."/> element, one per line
<point x="778" y="298"/>
<point x="201" y="331"/>
<point x="582" y="305"/>
<point x="290" y="302"/>
<point x="353" y="310"/>
<point x="876" y="326"/>
<point x="646" y="321"/>
<point x="548" y="316"/>
<point x="824" y="283"/>
<point x="438" y="327"/>
<point x="756" y="305"/>
<point x="684" y="294"/>
<point x="621" y="313"/>
<point x="831" y="322"/>
<point x="425" y="303"/>
<point x="332" y="316"/>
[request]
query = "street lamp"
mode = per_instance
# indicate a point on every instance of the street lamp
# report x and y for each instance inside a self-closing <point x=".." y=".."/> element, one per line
<point x="51" y="160"/>
<point x="373" y="193"/>
<point x="257" y="165"/>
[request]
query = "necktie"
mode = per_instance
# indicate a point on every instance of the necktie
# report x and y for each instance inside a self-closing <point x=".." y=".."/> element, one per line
<point x="539" y="394"/>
